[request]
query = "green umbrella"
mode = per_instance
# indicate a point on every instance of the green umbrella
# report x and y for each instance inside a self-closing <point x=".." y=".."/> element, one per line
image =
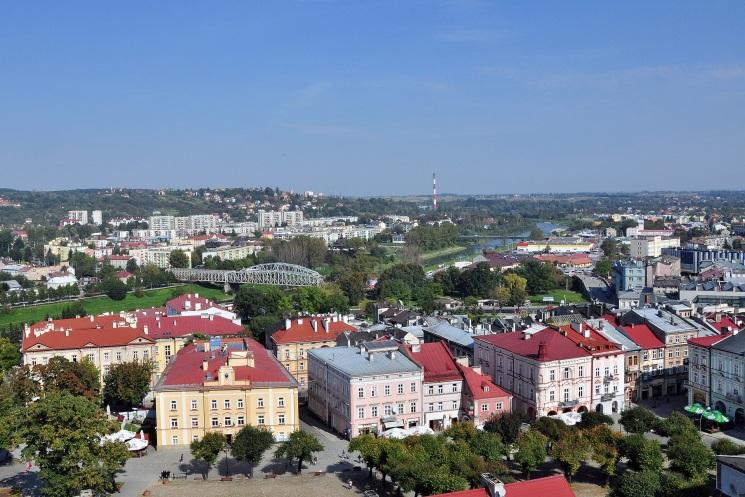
<point x="715" y="416"/>
<point x="695" y="408"/>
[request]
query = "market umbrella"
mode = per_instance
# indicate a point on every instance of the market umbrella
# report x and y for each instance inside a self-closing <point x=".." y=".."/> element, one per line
<point x="715" y="416"/>
<point x="695" y="408"/>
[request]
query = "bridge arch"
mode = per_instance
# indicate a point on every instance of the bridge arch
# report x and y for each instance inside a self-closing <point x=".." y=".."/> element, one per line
<point x="273" y="273"/>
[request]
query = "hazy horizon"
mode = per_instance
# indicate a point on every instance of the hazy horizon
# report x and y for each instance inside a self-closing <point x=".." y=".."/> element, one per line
<point x="367" y="99"/>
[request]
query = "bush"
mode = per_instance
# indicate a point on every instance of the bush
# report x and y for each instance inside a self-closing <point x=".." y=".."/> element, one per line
<point x="552" y="428"/>
<point x="727" y="447"/>
<point x="642" y="453"/>
<point x="676" y="424"/>
<point x="643" y="484"/>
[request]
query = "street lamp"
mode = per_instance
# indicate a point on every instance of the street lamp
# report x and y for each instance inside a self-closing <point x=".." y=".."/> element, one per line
<point x="227" y="460"/>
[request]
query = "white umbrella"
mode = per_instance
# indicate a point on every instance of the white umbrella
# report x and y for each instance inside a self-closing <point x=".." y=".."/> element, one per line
<point x="397" y="433"/>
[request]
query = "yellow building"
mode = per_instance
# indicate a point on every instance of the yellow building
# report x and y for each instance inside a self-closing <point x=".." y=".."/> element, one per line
<point x="224" y="389"/>
<point x="292" y="343"/>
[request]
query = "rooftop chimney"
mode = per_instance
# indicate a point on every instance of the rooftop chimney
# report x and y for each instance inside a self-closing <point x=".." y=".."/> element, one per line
<point x="288" y="323"/>
<point x="314" y="324"/>
<point x="327" y="325"/>
<point x="144" y="329"/>
<point x="526" y="336"/>
<point x="493" y="485"/>
<point x="541" y="351"/>
<point x="205" y="365"/>
<point x="67" y="332"/>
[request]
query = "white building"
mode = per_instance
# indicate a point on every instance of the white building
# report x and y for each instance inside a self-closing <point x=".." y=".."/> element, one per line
<point x="97" y="218"/>
<point x="231" y="253"/>
<point x="651" y="246"/>
<point x="79" y="217"/>
<point x="270" y="219"/>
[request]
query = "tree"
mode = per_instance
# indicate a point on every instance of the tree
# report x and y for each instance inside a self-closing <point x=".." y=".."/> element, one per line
<point x="536" y="234"/>
<point x="610" y="248"/>
<point x="178" y="259"/>
<point x="551" y="427"/>
<point x="638" y="420"/>
<point x="517" y="287"/>
<point x="250" y="444"/>
<point x="507" y="425"/>
<point x="643" y="454"/>
<point x="261" y="300"/>
<point x="10" y="356"/>
<point x="370" y="450"/>
<point x="76" y="309"/>
<point x="78" y="378"/>
<point x="603" y="267"/>
<point x="571" y="450"/>
<point x="540" y="276"/>
<point x="208" y="449"/>
<point x="62" y="433"/>
<point x="643" y="484"/>
<point x="132" y="266"/>
<point x="114" y="288"/>
<point x="127" y="383"/>
<point x="531" y="450"/>
<point x="301" y="445"/>
<point x="689" y="455"/>
<point x="477" y="282"/>
<point x="604" y="443"/>
<point x="592" y="419"/>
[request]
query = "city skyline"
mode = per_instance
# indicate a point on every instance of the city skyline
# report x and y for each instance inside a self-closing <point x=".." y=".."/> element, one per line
<point x="368" y="100"/>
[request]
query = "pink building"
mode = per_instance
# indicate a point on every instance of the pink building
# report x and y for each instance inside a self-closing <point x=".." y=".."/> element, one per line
<point x="482" y="399"/>
<point x="365" y="389"/>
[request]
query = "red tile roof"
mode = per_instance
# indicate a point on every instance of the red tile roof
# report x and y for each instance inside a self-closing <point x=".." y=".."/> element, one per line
<point x="643" y="336"/>
<point x="480" y="385"/>
<point x="724" y="324"/>
<point x="436" y="360"/>
<point x="186" y="368"/>
<point x="189" y="302"/>
<point x="556" y="345"/>
<point x="573" y="259"/>
<point x="588" y="338"/>
<point x="176" y="326"/>
<point x="84" y="323"/>
<point x="549" y="486"/>
<point x="76" y="339"/>
<point x="301" y="330"/>
<point x="707" y="342"/>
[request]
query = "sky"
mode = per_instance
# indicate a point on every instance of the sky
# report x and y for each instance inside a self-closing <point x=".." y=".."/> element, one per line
<point x="370" y="97"/>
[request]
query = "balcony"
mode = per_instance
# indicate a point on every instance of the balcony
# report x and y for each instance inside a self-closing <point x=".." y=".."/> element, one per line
<point x="608" y="378"/>
<point x="606" y="397"/>
<point x="734" y="397"/>
<point x="568" y="403"/>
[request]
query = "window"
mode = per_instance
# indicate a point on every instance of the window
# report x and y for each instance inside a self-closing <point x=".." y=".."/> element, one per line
<point x="615" y="369"/>
<point x="580" y="391"/>
<point x="167" y="350"/>
<point x="430" y="389"/>
<point x="360" y="393"/>
<point x="551" y="396"/>
<point x="260" y="419"/>
<point x="597" y="372"/>
<point x="301" y="352"/>
<point x="135" y="355"/>
<point x="240" y="403"/>
<point x="454" y="405"/>
<point x="645" y="355"/>
<point x="607" y="371"/>
<point x="387" y="390"/>
<point x="400" y="388"/>
<point x="455" y="387"/>
<point x="566" y="395"/>
<point x="412" y="407"/>
<point x="173" y="405"/>
<point x="439" y="388"/>
<point x="552" y="375"/>
<point x="280" y="402"/>
<point x="484" y="407"/>
<point x="241" y="421"/>
<point x="431" y="407"/>
<point x="174" y="422"/>
<point x="194" y="422"/>
<point x="413" y="387"/>
<point x="193" y="405"/>
<point x="360" y="412"/>
<point x="174" y="440"/>
<point x="145" y="355"/>
<point x="499" y="406"/>
<point x="566" y="373"/>
<point x="260" y="402"/>
<point x="281" y="419"/>
<point x="400" y="407"/>
<point x="373" y="391"/>
<point x="215" y="422"/>
<point x="287" y="353"/>
<point x="106" y="356"/>
<point x="439" y="406"/>
<point x="374" y="411"/>
<point x="581" y="371"/>
<point x="597" y="389"/>
<point x="228" y="421"/>
<point x="213" y="404"/>
<point x="118" y="356"/>
<point x="227" y="404"/>
<point x="92" y="357"/>
<point x="195" y="438"/>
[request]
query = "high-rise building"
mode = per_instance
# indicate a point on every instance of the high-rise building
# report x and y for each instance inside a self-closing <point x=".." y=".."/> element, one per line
<point x="97" y="218"/>
<point x="79" y="217"/>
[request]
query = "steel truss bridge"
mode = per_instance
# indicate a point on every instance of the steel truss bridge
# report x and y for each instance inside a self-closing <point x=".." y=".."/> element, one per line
<point x="277" y="273"/>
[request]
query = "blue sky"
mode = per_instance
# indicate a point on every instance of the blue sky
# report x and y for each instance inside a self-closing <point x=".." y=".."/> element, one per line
<point x="370" y="97"/>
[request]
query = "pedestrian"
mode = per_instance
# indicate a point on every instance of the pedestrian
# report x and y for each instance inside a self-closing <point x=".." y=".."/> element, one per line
<point x="350" y="484"/>
<point x="181" y="459"/>
<point x="30" y="465"/>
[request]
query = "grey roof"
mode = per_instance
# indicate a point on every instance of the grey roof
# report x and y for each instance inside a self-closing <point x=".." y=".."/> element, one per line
<point x="417" y="331"/>
<point x="610" y="332"/>
<point x="734" y="344"/>
<point x="666" y="323"/>
<point x="450" y="333"/>
<point x="354" y="362"/>
<point x="734" y="461"/>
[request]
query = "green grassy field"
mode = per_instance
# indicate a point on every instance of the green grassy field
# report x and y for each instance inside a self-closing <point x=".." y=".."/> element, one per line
<point x="99" y="305"/>
<point x="569" y="296"/>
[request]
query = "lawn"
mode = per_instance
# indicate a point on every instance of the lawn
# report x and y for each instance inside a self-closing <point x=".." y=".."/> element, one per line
<point x="99" y="305"/>
<point x="569" y="296"/>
